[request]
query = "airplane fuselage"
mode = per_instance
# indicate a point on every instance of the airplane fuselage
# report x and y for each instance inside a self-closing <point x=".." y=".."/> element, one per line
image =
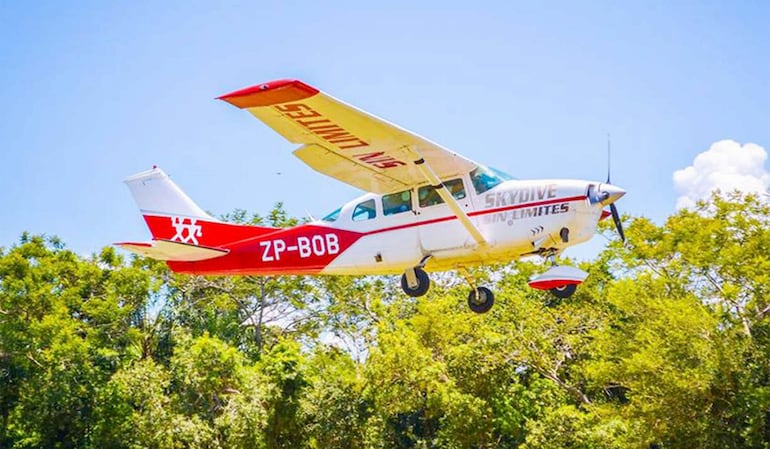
<point x="369" y="236"/>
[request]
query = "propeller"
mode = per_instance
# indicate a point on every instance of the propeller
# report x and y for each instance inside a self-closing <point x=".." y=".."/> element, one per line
<point x="613" y="208"/>
<point x="618" y="224"/>
<point x="607" y="192"/>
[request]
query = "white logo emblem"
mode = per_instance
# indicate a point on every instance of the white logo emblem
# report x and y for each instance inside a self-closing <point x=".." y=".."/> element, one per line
<point x="186" y="232"/>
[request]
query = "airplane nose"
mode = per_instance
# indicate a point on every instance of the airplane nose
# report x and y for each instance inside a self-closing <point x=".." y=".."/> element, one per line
<point x="611" y="193"/>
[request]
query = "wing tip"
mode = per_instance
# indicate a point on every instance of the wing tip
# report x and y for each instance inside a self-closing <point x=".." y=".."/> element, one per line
<point x="269" y="94"/>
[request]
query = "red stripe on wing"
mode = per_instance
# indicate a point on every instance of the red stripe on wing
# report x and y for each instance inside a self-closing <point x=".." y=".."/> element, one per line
<point x="270" y="93"/>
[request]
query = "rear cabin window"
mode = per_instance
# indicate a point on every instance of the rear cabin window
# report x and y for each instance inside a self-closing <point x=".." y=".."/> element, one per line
<point x="396" y="203"/>
<point x="365" y="211"/>
<point x="430" y="197"/>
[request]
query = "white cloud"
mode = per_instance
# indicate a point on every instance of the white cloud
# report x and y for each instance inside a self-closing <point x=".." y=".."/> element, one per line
<point x="726" y="165"/>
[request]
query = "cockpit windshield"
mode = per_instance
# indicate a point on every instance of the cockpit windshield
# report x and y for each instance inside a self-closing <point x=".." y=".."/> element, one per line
<point x="485" y="178"/>
<point x="332" y="216"/>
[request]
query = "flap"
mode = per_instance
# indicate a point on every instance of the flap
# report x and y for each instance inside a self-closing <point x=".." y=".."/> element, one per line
<point x="330" y="163"/>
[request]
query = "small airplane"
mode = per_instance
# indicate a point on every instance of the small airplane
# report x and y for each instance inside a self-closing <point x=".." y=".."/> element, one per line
<point x="429" y="209"/>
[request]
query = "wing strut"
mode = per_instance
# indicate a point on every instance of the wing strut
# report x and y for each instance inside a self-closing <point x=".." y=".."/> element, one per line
<point x="446" y="195"/>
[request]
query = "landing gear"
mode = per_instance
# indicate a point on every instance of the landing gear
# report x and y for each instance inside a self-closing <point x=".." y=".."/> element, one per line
<point x="418" y="285"/>
<point x="564" y="291"/>
<point x="415" y="281"/>
<point x="481" y="299"/>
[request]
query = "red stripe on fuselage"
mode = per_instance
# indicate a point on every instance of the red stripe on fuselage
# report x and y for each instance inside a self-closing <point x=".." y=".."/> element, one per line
<point x="304" y="249"/>
<point x="479" y="213"/>
<point x="524" y="205"/>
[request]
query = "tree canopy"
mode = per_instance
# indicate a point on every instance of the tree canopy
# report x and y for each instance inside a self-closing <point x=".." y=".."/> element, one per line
<point x="666" y="345"/>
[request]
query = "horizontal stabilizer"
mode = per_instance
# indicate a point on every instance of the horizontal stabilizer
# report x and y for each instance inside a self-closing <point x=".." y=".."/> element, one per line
<point x="174" y="251"/>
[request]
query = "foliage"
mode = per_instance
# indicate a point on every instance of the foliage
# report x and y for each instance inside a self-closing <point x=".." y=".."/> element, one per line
<point x="666" y="345"/>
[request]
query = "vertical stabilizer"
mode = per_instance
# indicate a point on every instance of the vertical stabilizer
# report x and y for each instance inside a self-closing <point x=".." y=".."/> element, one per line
<point x="156" y="194"/>
<point x="173" y="217"/>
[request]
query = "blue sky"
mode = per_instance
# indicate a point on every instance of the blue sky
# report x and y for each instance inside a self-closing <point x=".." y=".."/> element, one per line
<point x="95" y="91"/>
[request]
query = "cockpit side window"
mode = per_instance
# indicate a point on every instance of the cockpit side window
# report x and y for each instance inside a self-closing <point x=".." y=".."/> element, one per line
<point x="396" y="203"/>
<point x="429" y="196"/>
<point x="456" y="187"/>
<point x="484" y="178"/>
<point x="365" y="211"/>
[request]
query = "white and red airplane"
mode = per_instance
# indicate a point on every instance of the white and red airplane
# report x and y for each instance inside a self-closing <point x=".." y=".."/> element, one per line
<point x="429" y="209"/>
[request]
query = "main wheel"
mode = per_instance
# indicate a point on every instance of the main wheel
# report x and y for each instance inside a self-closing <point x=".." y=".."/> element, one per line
<point x="481" y="300"/>
<point x="423" y="283"/>
<point x="565" y="291"/>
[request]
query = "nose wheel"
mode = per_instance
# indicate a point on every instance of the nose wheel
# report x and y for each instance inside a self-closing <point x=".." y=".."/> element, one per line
<point x="563" y="291"/>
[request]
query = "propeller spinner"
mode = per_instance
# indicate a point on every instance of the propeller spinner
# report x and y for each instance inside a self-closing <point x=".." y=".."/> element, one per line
<point x="607" y="194"/>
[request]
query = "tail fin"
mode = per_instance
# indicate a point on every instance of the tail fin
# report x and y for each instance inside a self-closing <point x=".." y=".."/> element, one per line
<point x="168" y="211"/>
<point x="172" y="216"/>
<point x="156" y="194"/>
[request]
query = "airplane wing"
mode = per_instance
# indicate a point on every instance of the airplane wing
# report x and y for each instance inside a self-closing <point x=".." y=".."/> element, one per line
<point x="347" y="143"/>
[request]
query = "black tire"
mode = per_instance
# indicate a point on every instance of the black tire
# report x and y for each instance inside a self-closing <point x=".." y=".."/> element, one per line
<point x="423" y="284"/>
<point x="565" y="291"/>
<point x="481" y="300"/>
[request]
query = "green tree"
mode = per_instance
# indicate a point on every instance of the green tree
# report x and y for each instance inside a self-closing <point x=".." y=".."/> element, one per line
<point x="66" y="325"/>
<point x="333" y="410"/>
<point x="134" y="408"/>
<point x="683" y="355"/>
<point x="284" y="368"/>
<point x="665" y="345"/>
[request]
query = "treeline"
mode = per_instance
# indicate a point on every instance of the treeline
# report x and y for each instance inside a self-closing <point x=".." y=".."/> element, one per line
<point x="667" y="345"/>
